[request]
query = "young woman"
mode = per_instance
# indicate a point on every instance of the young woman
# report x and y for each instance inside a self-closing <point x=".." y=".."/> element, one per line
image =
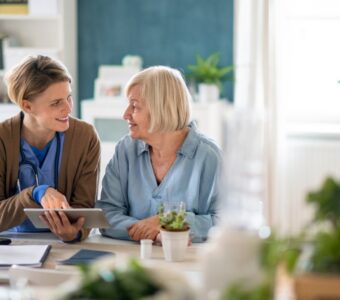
<point x="164" y="158"/>
<point x="47" y="158"/>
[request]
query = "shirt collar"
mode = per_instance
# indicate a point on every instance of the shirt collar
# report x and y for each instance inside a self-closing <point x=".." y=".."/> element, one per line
<point x="142" y="147"/>
<point x="188" y="148"/>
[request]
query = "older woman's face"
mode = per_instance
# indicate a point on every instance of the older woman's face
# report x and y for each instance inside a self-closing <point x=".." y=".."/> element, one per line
<point x="137" y="115"/>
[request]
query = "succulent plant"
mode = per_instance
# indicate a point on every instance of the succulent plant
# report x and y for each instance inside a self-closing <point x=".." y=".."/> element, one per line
<point x="173" y="220"/>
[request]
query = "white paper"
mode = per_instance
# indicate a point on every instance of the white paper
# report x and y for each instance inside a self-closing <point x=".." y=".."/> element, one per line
<point x="32" y="255"/>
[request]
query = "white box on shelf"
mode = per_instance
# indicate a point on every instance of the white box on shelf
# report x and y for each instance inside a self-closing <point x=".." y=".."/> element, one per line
<point x="43" y="7"/>
<point x="13" y="55"/>
<point x="111" y="81"/>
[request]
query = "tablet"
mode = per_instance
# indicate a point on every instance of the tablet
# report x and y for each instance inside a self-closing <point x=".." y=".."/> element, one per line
<point x="94" y="217"/>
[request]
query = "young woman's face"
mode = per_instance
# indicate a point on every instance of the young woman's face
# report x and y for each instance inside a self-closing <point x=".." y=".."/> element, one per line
<point x="51" y="109"/>
<point x="137" y="115"/>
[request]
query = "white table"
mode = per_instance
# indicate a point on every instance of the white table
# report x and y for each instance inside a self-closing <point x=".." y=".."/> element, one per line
<point x="190" y="267"/>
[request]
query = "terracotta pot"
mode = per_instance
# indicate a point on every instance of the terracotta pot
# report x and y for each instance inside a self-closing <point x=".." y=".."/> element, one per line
<point x="306" y="286"/>
<point x="311" y="286"/>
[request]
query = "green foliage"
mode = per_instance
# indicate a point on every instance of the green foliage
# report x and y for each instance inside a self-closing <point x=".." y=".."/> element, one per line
<point x="208" y="71"/>
<point x="327" y="202"/>
<point x="130" y="284"/>
<point x="286" y="251"/>
<point x="275" y="251"/>
<point x="263" y="291"/>
<point x="326" y="256"/>
<point x="172" y="220"/>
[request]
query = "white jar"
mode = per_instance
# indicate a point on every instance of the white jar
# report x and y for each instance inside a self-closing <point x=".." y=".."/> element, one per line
<point x="146" y="249"/>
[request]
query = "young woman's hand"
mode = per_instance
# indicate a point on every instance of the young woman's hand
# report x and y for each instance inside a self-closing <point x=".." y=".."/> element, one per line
<point x="145" y="229"/>
<point x="54" y="199"/>
<point x="60" y="225"/>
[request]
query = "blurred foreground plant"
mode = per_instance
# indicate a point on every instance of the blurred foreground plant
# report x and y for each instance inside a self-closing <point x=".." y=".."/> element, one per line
<point x="131" y="283"/>
<point x="325" y="244"/>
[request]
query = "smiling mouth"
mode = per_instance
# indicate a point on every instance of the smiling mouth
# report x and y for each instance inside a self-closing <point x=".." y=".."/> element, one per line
<point x="63" y="119"/>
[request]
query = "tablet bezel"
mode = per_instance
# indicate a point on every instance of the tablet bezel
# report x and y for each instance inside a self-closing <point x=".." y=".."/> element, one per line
<point x="94" y="217"/>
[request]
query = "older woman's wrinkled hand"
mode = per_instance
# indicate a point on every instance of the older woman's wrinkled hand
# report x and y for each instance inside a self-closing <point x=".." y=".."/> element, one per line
<point x="145" y="229"/>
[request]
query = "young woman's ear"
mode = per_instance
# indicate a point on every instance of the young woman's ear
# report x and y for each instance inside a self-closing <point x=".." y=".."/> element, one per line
<point x="26" y="106"/>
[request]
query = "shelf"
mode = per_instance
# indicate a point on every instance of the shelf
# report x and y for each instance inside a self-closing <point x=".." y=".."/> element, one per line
<point x="29" y="18"/>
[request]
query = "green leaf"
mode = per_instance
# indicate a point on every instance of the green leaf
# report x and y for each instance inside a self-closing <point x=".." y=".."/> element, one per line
<point x="327" y="202"/>
<point x="208" y="71"/>
<point x="326" y="256"/>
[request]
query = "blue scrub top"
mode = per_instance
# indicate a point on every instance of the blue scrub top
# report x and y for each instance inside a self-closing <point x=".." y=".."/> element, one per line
<point x="44" y="162"/>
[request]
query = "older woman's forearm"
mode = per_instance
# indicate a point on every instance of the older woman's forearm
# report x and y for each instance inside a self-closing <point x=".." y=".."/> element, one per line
<point x="118" y="219"/>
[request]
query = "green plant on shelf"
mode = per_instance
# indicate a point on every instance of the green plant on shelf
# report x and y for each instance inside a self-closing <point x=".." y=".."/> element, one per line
<point x="208" y="70"/>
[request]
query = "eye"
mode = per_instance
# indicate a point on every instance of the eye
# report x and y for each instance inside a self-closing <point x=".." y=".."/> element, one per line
<point x="135" y="105"/>
<point x="55" y="103"/>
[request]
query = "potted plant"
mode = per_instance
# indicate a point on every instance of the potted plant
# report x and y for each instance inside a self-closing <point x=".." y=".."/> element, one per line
<point x="110" y="278"/>
<point x="209" y="76"/>
<point x="312" y="258"/>
<point x="174" y="231"/>
<point x="321" y="277"/>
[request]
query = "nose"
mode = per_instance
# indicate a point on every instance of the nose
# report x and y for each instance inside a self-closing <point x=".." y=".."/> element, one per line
<point x="127" y="113"/>
<point x="68" y="106"/>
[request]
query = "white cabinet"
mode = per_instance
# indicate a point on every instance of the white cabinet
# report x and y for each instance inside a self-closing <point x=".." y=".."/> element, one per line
<point x="210" y="119"/>
<point x="52" y="34"/>
<point x="107" y="117"/>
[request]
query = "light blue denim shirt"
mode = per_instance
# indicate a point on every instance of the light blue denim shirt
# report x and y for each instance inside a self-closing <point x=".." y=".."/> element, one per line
<point x="130" y="191"/>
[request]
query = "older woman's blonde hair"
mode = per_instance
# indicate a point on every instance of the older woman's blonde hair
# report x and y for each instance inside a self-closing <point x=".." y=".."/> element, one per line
<point x="166" y="96"/>
<point x="33" y="76"/>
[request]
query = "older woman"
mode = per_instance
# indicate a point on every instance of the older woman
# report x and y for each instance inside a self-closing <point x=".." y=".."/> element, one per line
<point x="164" y="158"/>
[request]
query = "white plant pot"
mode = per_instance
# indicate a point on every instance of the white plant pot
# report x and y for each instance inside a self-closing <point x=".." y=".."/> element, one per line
<point x="175" y="244"/>
<point x="208" y="92"/>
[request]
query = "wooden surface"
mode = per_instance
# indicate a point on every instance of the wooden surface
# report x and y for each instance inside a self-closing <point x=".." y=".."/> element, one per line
<point x="122" y="249"/>
<point x="317" y="286"/>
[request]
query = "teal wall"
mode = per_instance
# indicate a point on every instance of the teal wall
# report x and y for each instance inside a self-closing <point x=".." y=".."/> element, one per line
<point x="167" y="32"/>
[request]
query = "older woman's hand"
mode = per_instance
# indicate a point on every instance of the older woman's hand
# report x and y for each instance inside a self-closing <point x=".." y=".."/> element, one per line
<point x="145" y="229"/>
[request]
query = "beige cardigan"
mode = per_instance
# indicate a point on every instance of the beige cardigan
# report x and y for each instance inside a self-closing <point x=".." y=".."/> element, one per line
<point x="78" y="176"/>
